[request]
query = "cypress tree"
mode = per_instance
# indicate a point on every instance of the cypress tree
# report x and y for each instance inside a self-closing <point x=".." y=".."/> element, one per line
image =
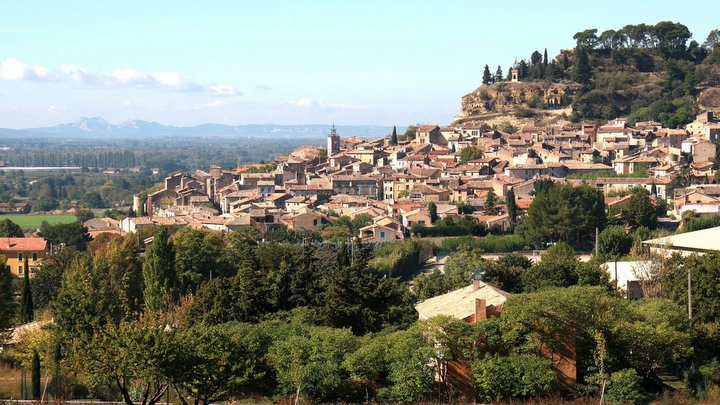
<point x="35" y="375"/>
<point x="511" y="205"/>
<point x="161" y="285"/>
<point x="487" y="77"/>
<point x="545" y="58"/>
<point x="490" y="202"/>
<point x="432" y="209"/>
<point x="582" y="72"/>
<point x="393" y="137"/>
<point x="26" y="302"/>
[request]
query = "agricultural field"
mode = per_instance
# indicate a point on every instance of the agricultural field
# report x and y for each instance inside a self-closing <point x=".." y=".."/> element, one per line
<point x="32" y="221"/>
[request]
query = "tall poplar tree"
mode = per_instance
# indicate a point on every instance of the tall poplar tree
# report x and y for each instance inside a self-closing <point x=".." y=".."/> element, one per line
<point x="161" y="284"/>
<point x="26" y="302"/>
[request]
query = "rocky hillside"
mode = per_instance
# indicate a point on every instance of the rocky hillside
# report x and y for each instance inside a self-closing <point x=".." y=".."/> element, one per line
<point x="644" y="72"/>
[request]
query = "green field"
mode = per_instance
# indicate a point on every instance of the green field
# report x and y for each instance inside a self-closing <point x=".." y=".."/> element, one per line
<point x="31" y="222"/>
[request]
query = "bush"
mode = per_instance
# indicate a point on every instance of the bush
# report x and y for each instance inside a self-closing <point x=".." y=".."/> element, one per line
<point x="626" y="388"/>
<point x="488" y="244"/>
<point x="514" y="376"/>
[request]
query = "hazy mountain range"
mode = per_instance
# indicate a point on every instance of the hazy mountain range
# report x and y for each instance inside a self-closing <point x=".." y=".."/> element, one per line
<point x="92" y="127"/>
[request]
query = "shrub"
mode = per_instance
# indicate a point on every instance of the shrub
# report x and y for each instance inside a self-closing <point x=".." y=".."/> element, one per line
<point x="626" y="388"/>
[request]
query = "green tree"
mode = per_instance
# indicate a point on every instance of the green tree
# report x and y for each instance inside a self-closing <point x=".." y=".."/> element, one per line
<point x="515" y="376"/>
<point x="35" y="375"/>
<point x="581" y="72"/>
<point x="26" y="300"/>
<point x="394" y="137"/>
<point x="198" y="258"/>
<point x="432" y="209"/>
<point x="469" y="153"/>
<point x="310" y="364"/>
<point x="161" y="285"/>
<point x="566" y="213"/>
<point x="498" y="75"/>
<point x="9" y="229"/>
<point x="72" y="234"/>
<point x="511" y="205"/>
<point x="134" y="357"/>
<point x="105" y="288"/>
<point x="558" y="268"/>
<point x="84" y="214"/>
<point x="490" y="205"/>
<point x="220" y="362"/>
<point x="639" y="211"/>
<point x="487" y="76"/>
<point x="8" y="307"/>
<point x="614" y="242"/>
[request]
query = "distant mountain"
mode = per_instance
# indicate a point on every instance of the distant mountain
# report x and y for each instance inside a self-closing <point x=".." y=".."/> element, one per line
<point x="92" y="127"/>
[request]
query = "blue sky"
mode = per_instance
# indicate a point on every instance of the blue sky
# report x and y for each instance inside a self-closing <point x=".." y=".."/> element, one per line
<point x="286" y="62"/>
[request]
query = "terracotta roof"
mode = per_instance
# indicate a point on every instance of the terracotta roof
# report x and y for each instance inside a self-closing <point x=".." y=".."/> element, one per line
<point x="460" y="303"/>
<point x="22" y="244"/>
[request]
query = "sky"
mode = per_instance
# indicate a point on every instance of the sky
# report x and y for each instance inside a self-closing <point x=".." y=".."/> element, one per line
<point x="283" y="62"/>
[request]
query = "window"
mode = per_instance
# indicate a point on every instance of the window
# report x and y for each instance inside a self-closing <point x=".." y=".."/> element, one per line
<point x="382" y="234"/>
<point x="20" y="269"/>
<point x="35" y="256"/>
<point x="20" y="256"/>
<point x="314" y="222"/>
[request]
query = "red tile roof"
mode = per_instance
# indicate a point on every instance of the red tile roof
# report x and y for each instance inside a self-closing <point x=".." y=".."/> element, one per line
<point x="22" y="244"/>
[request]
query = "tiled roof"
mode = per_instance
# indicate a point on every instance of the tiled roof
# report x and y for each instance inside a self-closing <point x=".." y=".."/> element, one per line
<point x="22" y="244"/>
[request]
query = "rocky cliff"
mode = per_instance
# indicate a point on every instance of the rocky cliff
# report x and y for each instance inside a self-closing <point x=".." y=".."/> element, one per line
<point x="506" y="97"/>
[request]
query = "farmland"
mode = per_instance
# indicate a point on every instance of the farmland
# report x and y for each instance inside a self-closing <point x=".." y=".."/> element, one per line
<point x="32" y="221"/>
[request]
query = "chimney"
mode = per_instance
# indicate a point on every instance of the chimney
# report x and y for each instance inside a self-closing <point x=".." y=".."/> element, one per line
<point x="476" y="284"/>
<point x="480" y="310"/>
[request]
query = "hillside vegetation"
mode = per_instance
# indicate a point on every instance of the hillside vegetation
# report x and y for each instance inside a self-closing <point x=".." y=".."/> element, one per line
<point x="645" y="72"/>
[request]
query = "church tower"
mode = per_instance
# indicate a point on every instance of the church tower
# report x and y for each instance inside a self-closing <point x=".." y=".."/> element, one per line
<point x="333" y="142"/>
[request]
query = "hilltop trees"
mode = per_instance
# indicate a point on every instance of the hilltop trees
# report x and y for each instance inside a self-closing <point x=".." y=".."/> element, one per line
<point x="487" y="77"/>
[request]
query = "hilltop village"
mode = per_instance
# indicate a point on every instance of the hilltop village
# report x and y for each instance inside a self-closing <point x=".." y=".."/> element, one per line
<point x="394" y="180"/>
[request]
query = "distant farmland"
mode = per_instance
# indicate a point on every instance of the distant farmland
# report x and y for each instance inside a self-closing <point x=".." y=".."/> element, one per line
<point x="30" y="222"/>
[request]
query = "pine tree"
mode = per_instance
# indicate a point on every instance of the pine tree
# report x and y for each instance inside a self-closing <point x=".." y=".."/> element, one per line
<point x="498" y="75"/>
<point x="161" y="285"/>
<point x="26" y="302"/>
<point x="487" y="77"/>
<point x="432" y="209"/>
<point x="393" y="137"/>
<point x="35" y="375"/>
<point x="511" y="205"/>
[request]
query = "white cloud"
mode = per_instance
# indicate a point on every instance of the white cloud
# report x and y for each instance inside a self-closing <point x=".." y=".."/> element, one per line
<point x="306" y="102"/>
<point x="15" y="70"/>
<point x="53" y="109"/>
